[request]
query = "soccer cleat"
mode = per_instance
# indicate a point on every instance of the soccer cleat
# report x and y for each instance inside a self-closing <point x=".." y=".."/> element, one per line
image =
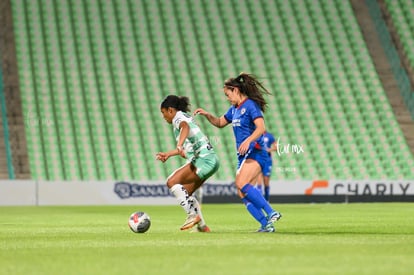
<point x="204" y="228"/>
<point x="273" y="217"/>
<point x="192" y="219"/>
<point x="199" y="228"/>
<point x="269" y="228"/>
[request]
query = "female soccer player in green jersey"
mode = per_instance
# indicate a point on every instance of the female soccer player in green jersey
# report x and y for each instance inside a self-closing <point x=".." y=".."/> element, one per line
<point x="202" y="161"/>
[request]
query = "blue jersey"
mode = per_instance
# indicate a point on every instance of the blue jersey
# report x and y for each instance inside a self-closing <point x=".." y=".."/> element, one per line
<point x="269" y="139"/>
<point x="242" y="119"/>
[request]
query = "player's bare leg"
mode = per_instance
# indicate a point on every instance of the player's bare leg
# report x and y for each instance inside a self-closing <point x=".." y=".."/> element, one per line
<point x="182" y="183"/>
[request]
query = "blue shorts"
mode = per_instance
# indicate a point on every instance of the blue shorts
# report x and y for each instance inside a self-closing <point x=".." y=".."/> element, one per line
<point x="258" y="155"/>
<point x="267" y="169"/>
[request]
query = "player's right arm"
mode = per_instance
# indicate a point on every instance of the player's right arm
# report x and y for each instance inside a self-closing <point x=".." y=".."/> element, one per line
<point x="273" y="147"/>
<point x="219" y="122"/>
<point x="164" y="156"/>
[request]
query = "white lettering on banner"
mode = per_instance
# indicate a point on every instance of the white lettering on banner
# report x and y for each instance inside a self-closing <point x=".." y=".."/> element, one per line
<point x="219" y="189"/>
<point x="127" y="190"/>
<point x="343" y="187"/>
<point x="376" y="189"/>
<point x="30" y="192"/>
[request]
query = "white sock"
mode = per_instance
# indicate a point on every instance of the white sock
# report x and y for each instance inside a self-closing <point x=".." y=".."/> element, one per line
<point x="183" y="198"/>
<point x="197" y="209"/>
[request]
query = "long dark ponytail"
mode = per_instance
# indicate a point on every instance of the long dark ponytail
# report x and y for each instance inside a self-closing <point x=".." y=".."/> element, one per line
<point x="249" y="86"/>
<point x="181" y="103"/>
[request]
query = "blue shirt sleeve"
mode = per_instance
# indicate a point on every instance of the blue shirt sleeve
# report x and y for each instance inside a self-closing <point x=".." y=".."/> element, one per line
<point x="271" y="139"/>
<point x="255" y="111"/>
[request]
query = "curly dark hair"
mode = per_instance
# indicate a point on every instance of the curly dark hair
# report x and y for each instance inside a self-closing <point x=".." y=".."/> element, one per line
<point x="181" y="103"/>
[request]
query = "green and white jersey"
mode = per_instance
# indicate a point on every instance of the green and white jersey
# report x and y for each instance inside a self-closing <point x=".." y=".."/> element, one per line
<point x="196" y="144"/>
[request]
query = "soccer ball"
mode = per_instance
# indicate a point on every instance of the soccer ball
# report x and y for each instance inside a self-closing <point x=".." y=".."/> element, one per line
<point x="139" y="222"/>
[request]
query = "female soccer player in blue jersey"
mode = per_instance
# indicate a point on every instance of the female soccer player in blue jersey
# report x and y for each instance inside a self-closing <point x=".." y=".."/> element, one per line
<point x="202" y="161"/>
<point x="270" y="146"/>
<point x="245" y="93"/>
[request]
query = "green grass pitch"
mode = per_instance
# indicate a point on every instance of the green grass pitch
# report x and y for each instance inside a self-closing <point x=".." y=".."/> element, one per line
<point x="311" y="239"/>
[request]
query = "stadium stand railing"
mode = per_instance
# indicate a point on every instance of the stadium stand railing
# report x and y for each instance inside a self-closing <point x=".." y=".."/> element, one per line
<point x="5" y="148"/>
<point x="399" y="14"/>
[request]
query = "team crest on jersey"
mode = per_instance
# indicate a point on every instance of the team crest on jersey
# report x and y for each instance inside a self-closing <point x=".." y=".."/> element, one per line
<point x="243" y="111"/>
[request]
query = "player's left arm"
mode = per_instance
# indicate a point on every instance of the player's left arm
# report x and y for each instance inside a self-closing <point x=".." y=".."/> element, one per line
<point x="184" y="131"/>
<point x="260" y="129"/>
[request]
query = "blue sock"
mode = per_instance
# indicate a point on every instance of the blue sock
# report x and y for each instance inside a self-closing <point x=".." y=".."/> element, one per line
<point x="266" y="192"/>
<point x="256" y="198"/>
<point x="259" y="187"/>
<point x="255" y="212"/>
